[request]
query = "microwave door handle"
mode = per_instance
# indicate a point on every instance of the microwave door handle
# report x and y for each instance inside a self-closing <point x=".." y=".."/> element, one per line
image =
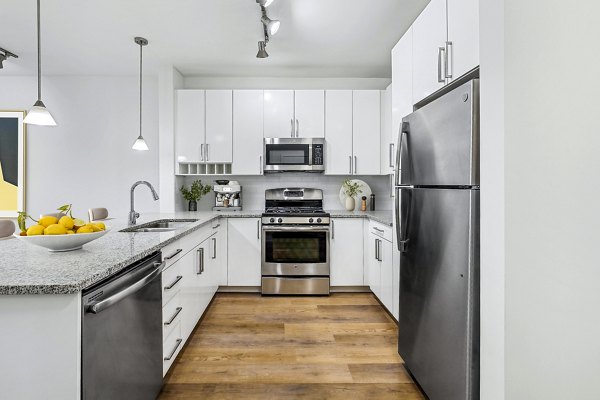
<point x="350" y="159"/>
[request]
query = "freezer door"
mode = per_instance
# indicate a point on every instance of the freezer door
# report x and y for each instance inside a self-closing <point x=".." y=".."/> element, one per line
<point x="439" y="143"/>
<point x="439" y="291"/>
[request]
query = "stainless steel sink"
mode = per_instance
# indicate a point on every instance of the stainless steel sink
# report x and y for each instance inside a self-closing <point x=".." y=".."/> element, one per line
<point x="161" y="226"/>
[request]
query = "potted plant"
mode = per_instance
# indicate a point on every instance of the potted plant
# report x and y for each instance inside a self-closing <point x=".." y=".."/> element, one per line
<point x="194" y="193"/>
<point x="351" y="189"/>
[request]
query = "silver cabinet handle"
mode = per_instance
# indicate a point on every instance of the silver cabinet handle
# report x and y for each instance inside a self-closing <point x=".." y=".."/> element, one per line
<point x="440" y="75"/>
<point x="297" y="128"/>
<point x="207" y="153"/>
<point x="200" y="261"/>
<point x="214" y="240"/>
<point x="175" y="282"/>
<point x="378" y="230"/>
<point x="258" y="229"/>
<point x="216" y="226"/>
<point x="355" y="163"/>
<point x="98" y="307"/>
<point x="292" y="123"/>
<point x="177" y="311"/>
<point x="174" y="254"/>
<point x="449" y="53"/>
<point x="350" y="159"/>
<point x="174" y="350"/>
<point x="202" y="152"/>
<point x="379" y="250"/>
<point x="332" y="229"/>
<point x="376" y="250"/>
<point x="260" y="164"/>
<point x="391" y="155"/>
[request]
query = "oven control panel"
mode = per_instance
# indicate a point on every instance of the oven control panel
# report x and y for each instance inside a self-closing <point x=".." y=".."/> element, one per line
<point x="295" y="220"/>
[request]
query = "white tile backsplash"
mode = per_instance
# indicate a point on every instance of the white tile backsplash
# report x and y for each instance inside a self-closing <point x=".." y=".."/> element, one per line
<point x="253" y="188"/>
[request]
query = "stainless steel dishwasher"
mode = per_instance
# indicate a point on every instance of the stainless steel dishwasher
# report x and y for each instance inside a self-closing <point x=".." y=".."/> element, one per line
<point x="122" y="334"/>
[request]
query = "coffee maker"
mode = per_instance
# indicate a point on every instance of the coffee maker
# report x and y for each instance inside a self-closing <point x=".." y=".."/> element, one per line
<point x="228" y="196"/>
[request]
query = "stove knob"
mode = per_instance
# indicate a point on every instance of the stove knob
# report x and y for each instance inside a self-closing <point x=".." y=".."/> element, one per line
<point x="279" y="220"/>
<point x="272" y="220"/>
<point x="319" y="220"/>
<point x="310" y="220"/>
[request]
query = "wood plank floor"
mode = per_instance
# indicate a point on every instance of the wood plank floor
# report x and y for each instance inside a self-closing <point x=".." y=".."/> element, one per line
<point x="253" y="347"/>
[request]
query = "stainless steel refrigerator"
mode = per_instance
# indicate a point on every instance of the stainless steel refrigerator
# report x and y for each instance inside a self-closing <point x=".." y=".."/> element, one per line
<point x="437" y="226"/>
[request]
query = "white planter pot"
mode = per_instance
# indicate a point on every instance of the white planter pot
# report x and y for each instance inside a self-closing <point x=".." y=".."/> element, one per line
<point x="350" y="204"/>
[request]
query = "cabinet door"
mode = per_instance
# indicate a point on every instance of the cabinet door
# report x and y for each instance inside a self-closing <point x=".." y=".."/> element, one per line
<point x="366" y="128"/>
<point x="190" y="293"/>
<point x="309" y="112"/>
<point x="402" y="82"/>
<point x="338" y="132"/>
<point x="346" y="252"/>
<point x="463" y="32"/>
<point x="373" y="265"/>
<point x="219" y="251"/>
<point x="247" y="132"/>
<point x="189" y="126"/>
<point x="206" y="276"/>
<point x="387" y="275"/>
<point x="219" y="131"/>
<point x="243" y="251"/>
<point x="279" y="113"/>
<point x="429" y="35"/>
<point x="387" y="143"/>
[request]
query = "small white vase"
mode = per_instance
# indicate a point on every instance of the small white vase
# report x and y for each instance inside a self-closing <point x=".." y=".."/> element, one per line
<point x="350" y="203"/>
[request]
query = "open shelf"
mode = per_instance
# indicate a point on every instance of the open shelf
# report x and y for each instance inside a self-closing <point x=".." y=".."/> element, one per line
<point x="186" y="169"/>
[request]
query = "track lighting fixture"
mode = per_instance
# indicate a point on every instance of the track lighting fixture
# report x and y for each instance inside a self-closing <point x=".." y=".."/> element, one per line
<point x="262" y="51"/>
<point x="270" y="28"/>
<point x="264" y="3"/>
<point x="272" y="25"/>
<point x="38" y="114"/>
<point x="4" y="54"/>
<point x="140" y="143"/>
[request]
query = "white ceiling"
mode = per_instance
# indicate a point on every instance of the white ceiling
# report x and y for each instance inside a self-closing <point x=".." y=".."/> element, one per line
<point x="317" y="38"/>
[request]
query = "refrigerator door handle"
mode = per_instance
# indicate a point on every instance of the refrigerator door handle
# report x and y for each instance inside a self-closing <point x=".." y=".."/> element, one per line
<point x="397" y="215"/>
<point x="404" y="128"/>
<point x="403" y="228"/>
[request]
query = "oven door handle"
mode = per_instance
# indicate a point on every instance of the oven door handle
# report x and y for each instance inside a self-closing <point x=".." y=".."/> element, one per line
<point x="311" y="228"/>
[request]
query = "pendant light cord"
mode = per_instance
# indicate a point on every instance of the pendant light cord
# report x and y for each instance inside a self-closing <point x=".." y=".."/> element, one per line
<point x="39" y="49"/>
<point x="140" y="88"/>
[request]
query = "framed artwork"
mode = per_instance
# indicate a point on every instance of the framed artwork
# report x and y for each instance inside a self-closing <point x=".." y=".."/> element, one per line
<point x="12" y="163"/>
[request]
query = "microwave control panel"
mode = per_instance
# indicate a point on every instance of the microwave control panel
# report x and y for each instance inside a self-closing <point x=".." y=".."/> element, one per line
<point x="317" y="154"/>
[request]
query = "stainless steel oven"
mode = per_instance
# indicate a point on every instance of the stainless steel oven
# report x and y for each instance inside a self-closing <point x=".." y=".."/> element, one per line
<point x="294" y="154"/>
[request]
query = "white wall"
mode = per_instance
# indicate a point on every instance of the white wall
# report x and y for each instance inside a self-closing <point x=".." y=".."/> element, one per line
<point x="253" y="189"/>
<point x="203" y="82"/>
<point x="87" y="159"/>
<point x="551" y="186"/>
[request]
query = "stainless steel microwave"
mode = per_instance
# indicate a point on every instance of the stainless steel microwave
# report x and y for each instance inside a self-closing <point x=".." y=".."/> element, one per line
<point x="294" y="154"/>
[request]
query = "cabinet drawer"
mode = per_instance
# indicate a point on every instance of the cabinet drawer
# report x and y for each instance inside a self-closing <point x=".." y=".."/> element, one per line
<point x="174" y="251"/>
<point x="383" y="231"/>
<point x="172" y="345"/>
<point x="171" y="314"/>
<point x="171" y="282"/>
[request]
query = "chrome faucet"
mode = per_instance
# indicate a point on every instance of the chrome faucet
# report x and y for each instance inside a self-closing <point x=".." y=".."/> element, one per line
<point x="133" y="216"/>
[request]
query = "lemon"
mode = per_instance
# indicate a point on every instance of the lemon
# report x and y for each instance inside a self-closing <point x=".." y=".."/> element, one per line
<point x="35" y="230"/>
<point x="93" y="226"/>
<point x="78" y="223"/>
<point x="85" y="229"/>
<point x="100" y="225"/>
<point x="66" y="221"/>
<point x="55" y="229"/>
<point x="48" y="220"/>
<point x="70" y="232"/>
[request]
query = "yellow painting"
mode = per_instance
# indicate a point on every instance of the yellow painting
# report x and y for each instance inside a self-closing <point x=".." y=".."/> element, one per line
<point x="12" y="163"/>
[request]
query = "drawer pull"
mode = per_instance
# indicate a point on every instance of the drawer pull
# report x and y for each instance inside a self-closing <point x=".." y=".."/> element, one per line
<point x="175" y="282"/>
<point x="174" y="350"/>
<point x="177" y="311"/>
<point x="174" y="254"/>
<point x="378" y="230"/>
<point x="216" y="226"/>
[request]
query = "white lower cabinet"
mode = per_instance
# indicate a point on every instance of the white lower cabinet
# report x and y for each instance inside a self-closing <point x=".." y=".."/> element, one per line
<point x="172" y="345"/>
<point x="218" y="253"/>
<point x="379" y="263"/>
<point x="346" y="252"/>
<point x="243" y="251"/>
<point x="386" y="266"/>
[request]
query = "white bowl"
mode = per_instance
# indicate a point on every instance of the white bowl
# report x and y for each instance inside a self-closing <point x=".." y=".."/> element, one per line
<point x="56" y="243"/>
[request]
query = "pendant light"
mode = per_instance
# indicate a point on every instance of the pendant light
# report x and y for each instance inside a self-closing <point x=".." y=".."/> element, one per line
<point x="38" y="114"/>
<point x="140" y="143"/>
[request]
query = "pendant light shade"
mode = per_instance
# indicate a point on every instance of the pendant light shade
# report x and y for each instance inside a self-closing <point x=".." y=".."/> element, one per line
<point x="39" y="114"/>
<point x="262" y="50"/>
<point x="140" y="143"/>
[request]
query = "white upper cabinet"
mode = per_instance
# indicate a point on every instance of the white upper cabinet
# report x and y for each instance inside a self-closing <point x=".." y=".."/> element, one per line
<point x="190" y="124"/>
<point x="429" y="46"/>
<point x="247" y="132"/>
<point x="387" y="138"/>
<point x="338" y="132"/>
<point x="279" y="113"/>
<point x="463" y="34"/>
<point x="219" y="119"/>
<point x="366" y="132"/>
<point x="402" y="81"/>
<point x="309" y="111"/>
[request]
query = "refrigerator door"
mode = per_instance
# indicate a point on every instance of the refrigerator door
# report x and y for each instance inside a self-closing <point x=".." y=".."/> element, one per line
<point x="439" y="143"/>
<point x="439" y="286"/>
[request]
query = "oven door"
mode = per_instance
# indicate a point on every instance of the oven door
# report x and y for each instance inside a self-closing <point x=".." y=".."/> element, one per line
<point x="287" y="157"/>
<point x="295" y="251"/>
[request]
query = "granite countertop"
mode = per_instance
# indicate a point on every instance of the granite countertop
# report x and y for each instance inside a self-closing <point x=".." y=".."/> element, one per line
<point x="28" y="269"/>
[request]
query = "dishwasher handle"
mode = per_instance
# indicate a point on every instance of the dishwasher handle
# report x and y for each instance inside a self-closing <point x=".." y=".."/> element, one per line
<point x="97" y="307"/>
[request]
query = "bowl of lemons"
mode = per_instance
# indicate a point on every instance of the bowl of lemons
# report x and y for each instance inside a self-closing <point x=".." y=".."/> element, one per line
<point x="59" y="232"/>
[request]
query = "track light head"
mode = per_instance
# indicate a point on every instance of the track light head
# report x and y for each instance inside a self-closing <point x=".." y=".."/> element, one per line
<point x="262" y="50"/>
<point x="272" y="25"/>
<point x="4" y="54"/>
<point x="264" y="3"/>
<point x="2" y="58"/>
